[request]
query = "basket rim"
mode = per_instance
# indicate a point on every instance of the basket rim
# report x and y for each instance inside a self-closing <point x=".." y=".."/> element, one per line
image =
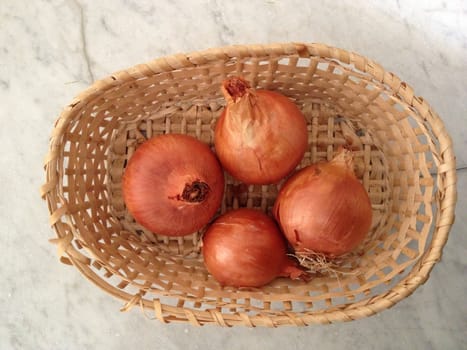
<point x="419" y="273"/>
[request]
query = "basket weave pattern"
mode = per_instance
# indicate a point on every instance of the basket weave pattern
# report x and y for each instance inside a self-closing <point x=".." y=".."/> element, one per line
<point x="403" y="157"/>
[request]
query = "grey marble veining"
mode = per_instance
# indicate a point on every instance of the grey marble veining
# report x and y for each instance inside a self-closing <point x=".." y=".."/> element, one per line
<point x="52" y="50"/>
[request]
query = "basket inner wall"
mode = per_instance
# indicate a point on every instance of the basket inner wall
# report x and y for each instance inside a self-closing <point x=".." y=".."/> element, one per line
<point x="342" y="107"/>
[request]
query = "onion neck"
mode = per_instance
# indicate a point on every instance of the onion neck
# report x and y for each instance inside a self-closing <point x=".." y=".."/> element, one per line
<point x="344" y="158"/>
<point x="194" y="192"/>
<point x="235" y="88"/>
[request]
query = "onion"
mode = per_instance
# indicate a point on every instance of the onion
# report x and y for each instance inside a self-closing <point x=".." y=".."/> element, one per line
<point x="173" y="184"/>
<point x="261" y="135"/>
<point x="324" y="209"/>
<point x="244" y="248"/>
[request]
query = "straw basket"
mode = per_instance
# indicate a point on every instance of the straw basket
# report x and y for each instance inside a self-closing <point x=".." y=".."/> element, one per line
<point x="404" y="159"/>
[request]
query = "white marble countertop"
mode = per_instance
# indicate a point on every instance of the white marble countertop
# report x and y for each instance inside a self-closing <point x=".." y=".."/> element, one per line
<point x="51" y="50"/>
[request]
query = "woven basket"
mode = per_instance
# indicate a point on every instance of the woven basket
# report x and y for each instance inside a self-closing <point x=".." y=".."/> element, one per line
<point x="404" y="159"/>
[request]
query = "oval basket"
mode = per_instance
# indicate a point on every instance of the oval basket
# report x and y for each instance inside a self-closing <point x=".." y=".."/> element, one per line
<point x="403" y="153"/>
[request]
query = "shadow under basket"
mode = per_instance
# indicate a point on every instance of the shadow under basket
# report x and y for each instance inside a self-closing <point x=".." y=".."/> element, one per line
<point x="403" y="156"/>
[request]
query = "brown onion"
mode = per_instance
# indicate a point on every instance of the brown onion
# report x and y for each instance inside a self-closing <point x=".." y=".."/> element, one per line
<point x="324" y="208"/>
<point x="244" y="248"/>
<point x="173" y="184"/>
<point x="261" y="135"/>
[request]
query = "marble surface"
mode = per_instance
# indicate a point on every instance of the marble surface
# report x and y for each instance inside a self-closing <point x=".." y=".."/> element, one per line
<point x="51" y="50"/>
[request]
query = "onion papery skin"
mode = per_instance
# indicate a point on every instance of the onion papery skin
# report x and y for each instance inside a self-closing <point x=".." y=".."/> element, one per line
<point x="173" y="185"/>
<point x="244" y="248"/>
<point x="261" y="135"/>
<point x="324" y="208"/>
